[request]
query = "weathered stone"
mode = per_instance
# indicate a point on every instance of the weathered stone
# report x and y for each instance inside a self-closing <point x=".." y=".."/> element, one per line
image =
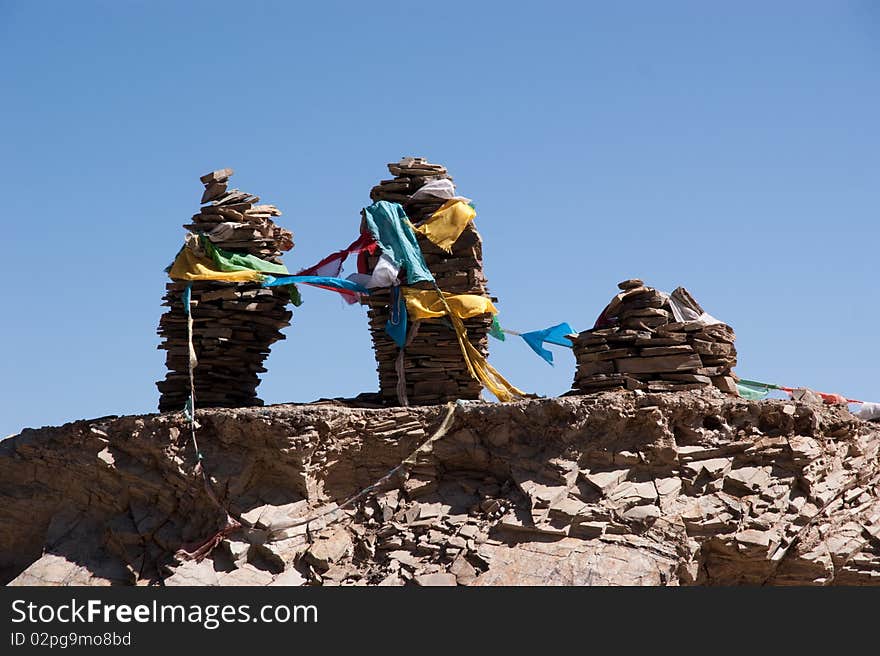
<point x="193" y="573"/>
<point x="437" y="579"/>
<point x="289" y="578"/>
<point x="246" y="575"/>
<point x="329" y="549"/>
<point x="464" y="572"/>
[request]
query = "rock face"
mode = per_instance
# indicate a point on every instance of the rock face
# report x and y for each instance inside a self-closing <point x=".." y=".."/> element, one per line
<point x="618" y="488"/>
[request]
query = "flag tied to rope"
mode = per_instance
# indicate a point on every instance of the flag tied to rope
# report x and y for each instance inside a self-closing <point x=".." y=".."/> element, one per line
<point x="199" y="259"/>
<point x="331" y="266"/>
<point x="552" y="335"/>
<point x="496" y="330"/>
<point x="754" y="390"/>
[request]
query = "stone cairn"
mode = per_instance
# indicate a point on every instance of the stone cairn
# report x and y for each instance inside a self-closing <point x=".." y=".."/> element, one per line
<point x="434" y="369"/>
<point x="639" y="343"/>
<point x="234" y="323"/>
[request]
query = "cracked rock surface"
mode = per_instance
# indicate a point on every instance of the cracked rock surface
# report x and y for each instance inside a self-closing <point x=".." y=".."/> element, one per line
<point x="617" y="488"/>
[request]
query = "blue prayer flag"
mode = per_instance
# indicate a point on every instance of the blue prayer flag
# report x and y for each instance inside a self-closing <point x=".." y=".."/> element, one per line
<point x="553" y="335"/>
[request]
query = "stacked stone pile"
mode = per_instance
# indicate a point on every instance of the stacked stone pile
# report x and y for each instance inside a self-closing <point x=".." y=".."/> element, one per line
<point x="434" y="369"/>
<point x="640" y="343"/>
<point x="234" y="324"/>
<point x="234" y="221"/>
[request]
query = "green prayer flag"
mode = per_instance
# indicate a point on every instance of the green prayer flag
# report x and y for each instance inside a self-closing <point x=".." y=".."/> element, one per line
<point x="752" y="391"/>
<point x="496" y="330"/>
<point x="229" y="261"/>
<point x="295" y="298"/>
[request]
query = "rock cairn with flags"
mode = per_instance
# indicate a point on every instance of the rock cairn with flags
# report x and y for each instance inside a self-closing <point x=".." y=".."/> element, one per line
<point x="234" y="322"/>
<point x="648" y="340"/>
<point x="433" y="368"/>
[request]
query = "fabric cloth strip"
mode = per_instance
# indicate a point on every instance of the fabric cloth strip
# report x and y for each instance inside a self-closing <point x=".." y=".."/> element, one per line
<point x="332" y="264"/>
<point x="229" y="261"/>
<point x="868" y="411"/>
<point x="396" y="324"/>
<point x="443" y="189"/>
<point x="325" y="282"/>
<point x="427" y="304"/>
<point x="431" y="304"/>
<point x="753" y="391"/>
<point x="390" y="227"/>
<point x="496" y="330"/>
<point x="444" y="227"/>
<point x="552" y="335"/>
<point x="189" y="266"/>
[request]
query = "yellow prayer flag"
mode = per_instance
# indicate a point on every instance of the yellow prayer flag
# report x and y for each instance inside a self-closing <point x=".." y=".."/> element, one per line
<point x="189" y="266"/>
<point x="445" y="226"/>
<point x="426" y="304"/>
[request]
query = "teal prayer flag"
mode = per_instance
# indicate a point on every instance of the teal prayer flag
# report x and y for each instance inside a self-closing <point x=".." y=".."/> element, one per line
<point x="753" y="391"/>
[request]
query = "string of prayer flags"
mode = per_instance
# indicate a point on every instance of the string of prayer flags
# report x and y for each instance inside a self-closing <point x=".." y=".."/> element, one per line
<point x="752" y="390"/>
<point x="199" y="259"/>
<point x="332" y="264"/>
<point x="324" y="282"/>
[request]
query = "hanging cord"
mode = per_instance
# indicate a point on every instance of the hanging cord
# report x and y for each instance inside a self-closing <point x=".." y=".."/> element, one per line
<point x="410" y="460"/>
<point x="198" y="551"/>
<point x="400" y="369"/>
<point x="396" y="312"/>
<point x="192" y="362"/>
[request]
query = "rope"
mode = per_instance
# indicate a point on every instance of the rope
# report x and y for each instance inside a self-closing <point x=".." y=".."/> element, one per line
<point x="190" y="408"/>
<point x="400" y="369"/>
<point x="396" y="313"/>
<point x="409" y="460"/>
<point x="198" y="551"/>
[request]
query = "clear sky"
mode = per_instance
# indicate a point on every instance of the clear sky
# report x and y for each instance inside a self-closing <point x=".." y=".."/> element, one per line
<point x="728" y="147"/>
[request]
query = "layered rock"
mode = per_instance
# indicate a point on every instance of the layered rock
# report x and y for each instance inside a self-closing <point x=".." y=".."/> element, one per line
<point x="614" y="488"/>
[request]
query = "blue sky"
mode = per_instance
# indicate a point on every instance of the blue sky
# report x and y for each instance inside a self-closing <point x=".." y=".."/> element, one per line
<point x="732" y="149"/>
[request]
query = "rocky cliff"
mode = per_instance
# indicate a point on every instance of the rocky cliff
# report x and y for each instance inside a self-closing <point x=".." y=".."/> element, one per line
<point x="616" y="488"/>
